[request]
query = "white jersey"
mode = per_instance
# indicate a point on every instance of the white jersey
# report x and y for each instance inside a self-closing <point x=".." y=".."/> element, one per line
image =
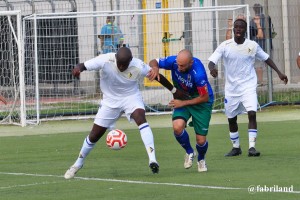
<point x="115" y="84"/>
<point x="239" y="62"/>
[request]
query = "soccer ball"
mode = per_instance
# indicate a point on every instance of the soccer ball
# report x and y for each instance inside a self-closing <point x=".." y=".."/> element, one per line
<point x="116" y="139"/>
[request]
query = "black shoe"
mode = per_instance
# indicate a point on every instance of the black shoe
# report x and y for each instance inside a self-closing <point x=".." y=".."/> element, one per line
<point x="253" y="152"/>
<point x="234" y="152"/>
<point x="154" y="167"/>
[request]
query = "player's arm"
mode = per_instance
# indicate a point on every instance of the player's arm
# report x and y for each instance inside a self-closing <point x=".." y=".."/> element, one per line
<point x="155" y="75"/>
<point x="177" y="94"/>
<point x="3" y="99"/>
<point x="282" y="76"/>
<point x="78" y="69"/>
<point x="202" y="98"/>
<point x="213" y="70"/>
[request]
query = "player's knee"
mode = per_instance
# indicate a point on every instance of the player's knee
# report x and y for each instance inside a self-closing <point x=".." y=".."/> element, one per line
<point x="178" y="128"/>
<point x="252" y="115"/>
<point x="200" y="140"/>
<point x="232" y="121"/>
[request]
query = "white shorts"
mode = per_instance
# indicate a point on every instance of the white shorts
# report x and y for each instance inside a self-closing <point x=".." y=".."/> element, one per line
<point x="107" y="115"/>
<point x="236" y="105"/>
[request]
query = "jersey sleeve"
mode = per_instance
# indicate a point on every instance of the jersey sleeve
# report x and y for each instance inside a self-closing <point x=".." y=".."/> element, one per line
<point x="145" y="68"/>
<point x="167" y="62"/>
<point x="217" y="53"/>
<point x="260" y="54"/>
<point x="201" y="80"/>
<point x="98" y="62"/>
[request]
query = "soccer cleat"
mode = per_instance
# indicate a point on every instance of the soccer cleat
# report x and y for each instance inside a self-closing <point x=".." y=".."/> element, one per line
<point x="188" y="160"/>
<point x="253" y="152"/>
<point x="202" y="166"/>
<point x="234" y="152"/>
<point x="154" y="167"/>
<point x="70" y="173"/>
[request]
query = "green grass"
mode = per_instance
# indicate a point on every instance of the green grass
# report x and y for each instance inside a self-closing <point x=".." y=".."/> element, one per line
<point x="34" y="158"/>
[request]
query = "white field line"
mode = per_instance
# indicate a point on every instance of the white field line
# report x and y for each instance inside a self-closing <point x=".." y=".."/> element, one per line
<point x="28" y="185"/>
<point x="132" y="182"/>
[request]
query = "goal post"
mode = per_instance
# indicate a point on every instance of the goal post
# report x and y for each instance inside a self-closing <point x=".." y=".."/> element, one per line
<point x="54" y="43"/>
<point x="12" y="70"/>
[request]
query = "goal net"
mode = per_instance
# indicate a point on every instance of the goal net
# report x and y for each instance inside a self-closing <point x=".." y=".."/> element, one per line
<point x="11" y="75"/>
<point x="55" y="42"/>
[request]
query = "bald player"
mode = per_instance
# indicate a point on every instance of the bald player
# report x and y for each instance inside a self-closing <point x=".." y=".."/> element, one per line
<point x="189" y="75"/>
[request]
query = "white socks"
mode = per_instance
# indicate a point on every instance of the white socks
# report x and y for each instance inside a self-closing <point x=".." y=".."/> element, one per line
<point x="235" y="139"/>
<point x="252" y="137"/>
<point x="87" y="146"/>
<point x="147" y="137"/>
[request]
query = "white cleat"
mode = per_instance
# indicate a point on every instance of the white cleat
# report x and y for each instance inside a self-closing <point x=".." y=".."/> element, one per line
<point x="70" y="173"/>
<point x="188" y="160"/>
<point x="202" y="166"/>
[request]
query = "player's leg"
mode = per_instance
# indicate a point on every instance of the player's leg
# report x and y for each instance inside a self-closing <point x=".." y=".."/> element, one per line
<point x="201" y="146"/>
<point x="105" y="117"/>
<point x="180" y="117"/>
<point x="232" y="109"/>
<point x="134" y="109"/>
<point x="250" y="103"/>
<point x="201" y="115"/>
<point x="147" y="137"/>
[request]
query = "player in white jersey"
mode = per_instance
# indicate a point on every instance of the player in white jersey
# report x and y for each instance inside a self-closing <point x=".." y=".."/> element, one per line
<point x="239" y="55"/>
<point x="120" y="74"/>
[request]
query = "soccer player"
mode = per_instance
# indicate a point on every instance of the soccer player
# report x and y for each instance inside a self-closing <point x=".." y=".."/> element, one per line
<point x="239" y="55"/>
<point x="188" y="75"/>
<point x="120" y="75"/>
<point x="3" y="99"/>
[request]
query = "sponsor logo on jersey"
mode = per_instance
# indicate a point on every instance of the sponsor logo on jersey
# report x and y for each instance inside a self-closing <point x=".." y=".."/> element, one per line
<point x="183" y="82"/>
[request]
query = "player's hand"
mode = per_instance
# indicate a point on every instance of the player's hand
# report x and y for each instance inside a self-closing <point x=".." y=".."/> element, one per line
<point x="153" y="73"/>
<point x="283" y="77"/>
<point x="214" y="72"/>
<point x="180" y="94"/>
<point x="76" y="72"/>
<point x="175" y="103"/>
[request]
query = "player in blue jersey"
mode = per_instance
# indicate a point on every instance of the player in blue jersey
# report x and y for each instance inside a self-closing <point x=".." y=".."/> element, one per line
<point x="189" y="75"/>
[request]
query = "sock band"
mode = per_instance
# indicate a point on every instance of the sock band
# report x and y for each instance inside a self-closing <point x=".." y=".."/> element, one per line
<point x="144" y="125"/>
<point x="87" y="140"/>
